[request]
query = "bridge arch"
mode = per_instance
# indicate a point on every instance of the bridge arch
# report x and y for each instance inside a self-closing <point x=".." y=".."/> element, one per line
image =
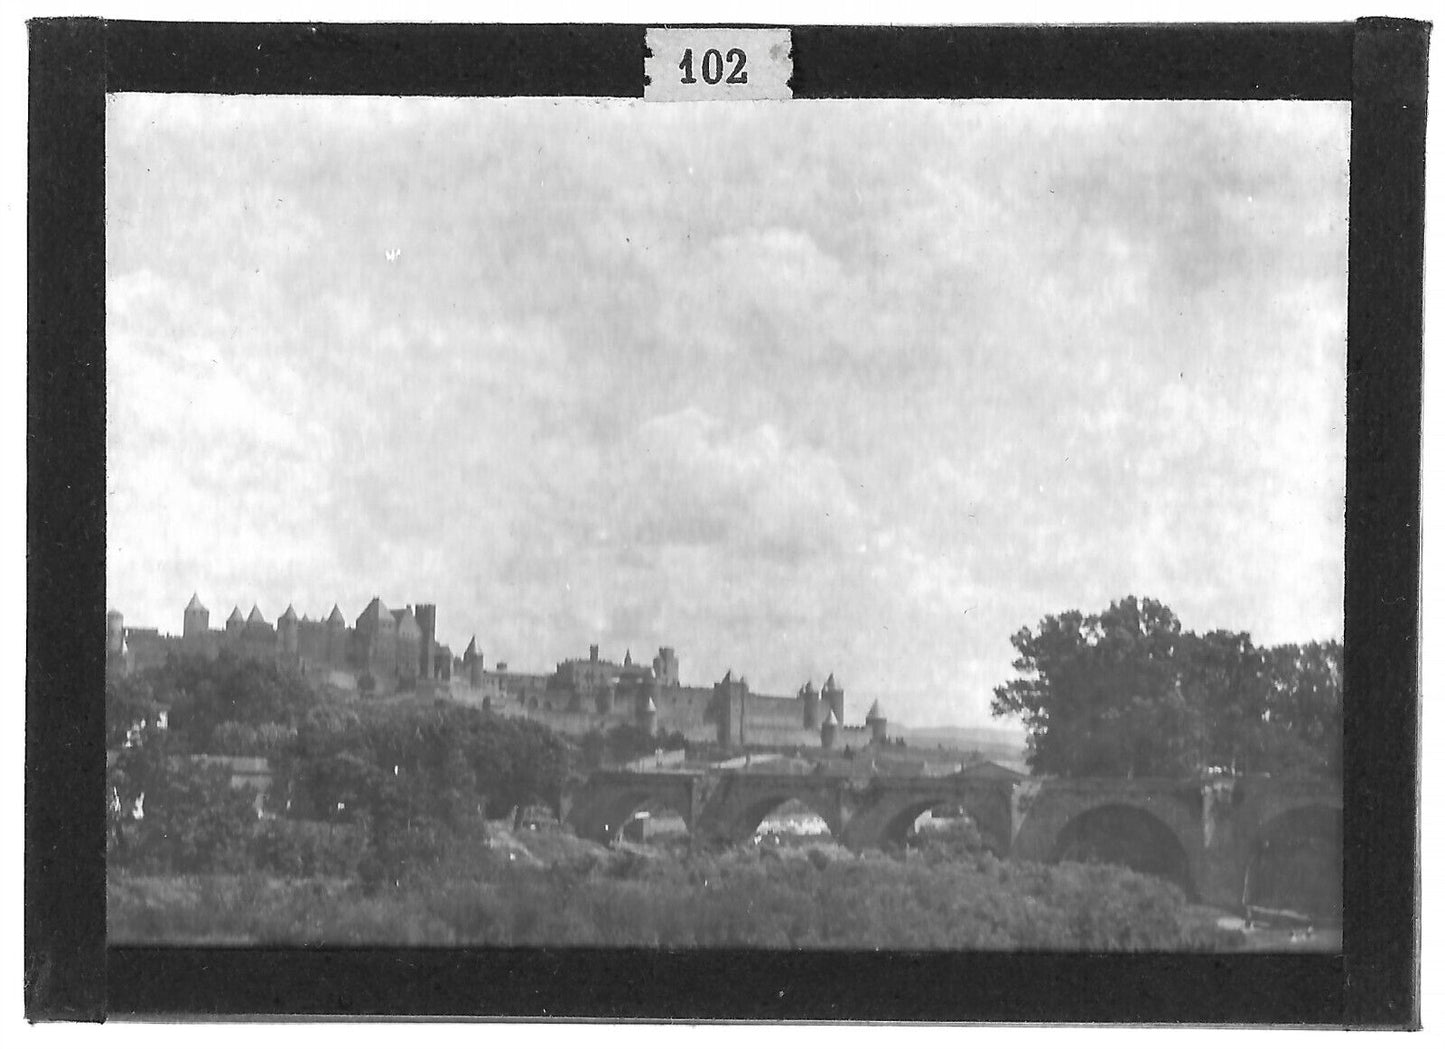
<point x="1127" y="836"/>
<point x="736" y="818"/>
<point x="1150" y="830"/>
<point x="754" y="815"/>
<point x="888" y="820"/>
<point x="602" y="814"/>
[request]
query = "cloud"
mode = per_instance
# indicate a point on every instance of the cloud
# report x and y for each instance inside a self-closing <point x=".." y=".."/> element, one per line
<point x="687" y="478"/>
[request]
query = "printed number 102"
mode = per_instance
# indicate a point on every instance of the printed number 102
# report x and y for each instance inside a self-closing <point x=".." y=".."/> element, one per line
<point x="712" y="66"/>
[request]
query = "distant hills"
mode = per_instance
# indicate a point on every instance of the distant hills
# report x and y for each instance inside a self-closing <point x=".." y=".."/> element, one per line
<point x="997" y="744"/>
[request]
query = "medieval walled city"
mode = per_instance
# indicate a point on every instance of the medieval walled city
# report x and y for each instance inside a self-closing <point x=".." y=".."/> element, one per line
<point x="387" y="651"/>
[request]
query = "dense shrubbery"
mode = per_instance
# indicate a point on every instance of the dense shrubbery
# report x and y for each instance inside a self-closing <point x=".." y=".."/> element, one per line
<point x="950" y="839"/>
<point x="266" y="740"/>
<point x="794" y="898"/>
<point x="193" y="819"/>
<point x="308" y="848"/>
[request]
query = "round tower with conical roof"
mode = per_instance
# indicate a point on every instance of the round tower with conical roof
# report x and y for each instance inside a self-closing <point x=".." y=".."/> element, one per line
<point x="258" y="637"/>
<point x="833" y="699"/>
<point x="472" y="663"/>
<point x="235" y="623"/>
<point x="830" y="731"/>
<point x="288" y="637"/>
<point x="877" y="723"/>
<point x="808" y="696"/>
<point x="196" y="620"/>
<point x="337" y="648"/>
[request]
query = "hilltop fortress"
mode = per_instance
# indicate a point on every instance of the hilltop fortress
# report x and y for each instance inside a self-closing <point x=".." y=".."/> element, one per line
<point x="395" y="652"/>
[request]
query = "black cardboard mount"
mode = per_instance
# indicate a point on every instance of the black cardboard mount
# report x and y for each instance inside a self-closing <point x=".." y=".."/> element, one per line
<point x="1376" y="64"/>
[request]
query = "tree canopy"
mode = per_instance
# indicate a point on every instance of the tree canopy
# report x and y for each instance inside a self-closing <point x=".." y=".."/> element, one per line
<point x="204" y="697"/>
<point x="403" y="774"/>
<point x="446" y="760"/>
<point x="1129" y="692"/>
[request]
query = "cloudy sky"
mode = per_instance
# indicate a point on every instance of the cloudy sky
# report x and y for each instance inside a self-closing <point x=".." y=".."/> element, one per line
<point x="792" y="387"/>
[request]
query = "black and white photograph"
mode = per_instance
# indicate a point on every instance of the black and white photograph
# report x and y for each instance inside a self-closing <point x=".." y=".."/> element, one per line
<point x="864" y="523"/>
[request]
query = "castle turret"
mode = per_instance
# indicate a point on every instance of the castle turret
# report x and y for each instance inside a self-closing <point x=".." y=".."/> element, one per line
<point x="877" y="723"/>
<point x="808" y="695"/>
<point x="830" y="731"/>
<point x="376" y="638"/>
<point x="472" y="663"/>
<point x="196" y="620"/>
<point x="235" y="622"/>
<point x="336" y="641"/>
<point x="288" y="637"/>
<point x="833" y="699"/>
<point x="114" y="634"/>
<point x="258" y="637"/>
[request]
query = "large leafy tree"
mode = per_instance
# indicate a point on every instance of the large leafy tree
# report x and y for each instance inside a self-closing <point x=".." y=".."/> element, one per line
<point x="1226" y="679"/>
<point x="1092" y="685"/>
<point x="1304" y="707"/>
<point x="1128" y="692"/>
<point x="446" y="761"/>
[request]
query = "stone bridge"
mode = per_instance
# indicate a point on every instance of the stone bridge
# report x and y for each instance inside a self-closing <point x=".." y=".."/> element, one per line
<point x="1203" y="833"/>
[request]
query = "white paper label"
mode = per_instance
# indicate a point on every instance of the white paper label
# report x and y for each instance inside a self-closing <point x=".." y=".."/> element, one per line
<point x="698" y="65"/>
